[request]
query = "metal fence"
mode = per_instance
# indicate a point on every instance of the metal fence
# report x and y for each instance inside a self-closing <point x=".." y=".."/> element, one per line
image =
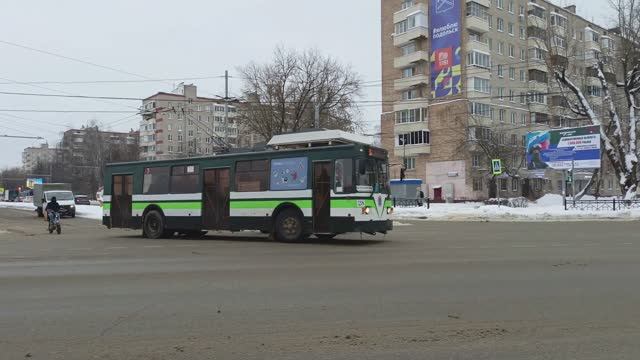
<point x="412" y="202"/>
<point x="602" y="205"/>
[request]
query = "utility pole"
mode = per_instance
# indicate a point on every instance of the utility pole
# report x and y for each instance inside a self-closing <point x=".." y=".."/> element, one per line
<point x="226" y="106"/>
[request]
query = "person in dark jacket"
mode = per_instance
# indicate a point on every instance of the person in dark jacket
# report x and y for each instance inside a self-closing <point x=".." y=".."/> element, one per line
<point x="52" y="206"/>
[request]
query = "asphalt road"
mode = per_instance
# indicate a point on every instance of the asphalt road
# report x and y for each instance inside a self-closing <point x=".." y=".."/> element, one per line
<point x="427" y="291"/>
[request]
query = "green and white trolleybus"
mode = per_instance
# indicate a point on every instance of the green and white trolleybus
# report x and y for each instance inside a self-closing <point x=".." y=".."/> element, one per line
<point x="324" y="182"/>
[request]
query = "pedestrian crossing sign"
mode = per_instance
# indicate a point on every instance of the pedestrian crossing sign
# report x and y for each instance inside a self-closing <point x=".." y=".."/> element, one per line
<point x="496" y="165"/>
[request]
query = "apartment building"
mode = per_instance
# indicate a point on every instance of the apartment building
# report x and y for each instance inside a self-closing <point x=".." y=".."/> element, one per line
<point x="454" y="71"/>
<point x="32" y="156"/>
<point x="183" y="124"/>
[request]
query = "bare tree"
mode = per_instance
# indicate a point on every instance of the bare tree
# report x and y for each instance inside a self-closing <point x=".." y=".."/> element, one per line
<point x="282" y="96"/>
<point x="620" y="99"/>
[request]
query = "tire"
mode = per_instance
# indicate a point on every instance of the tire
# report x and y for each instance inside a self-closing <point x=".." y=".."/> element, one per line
<point x="73" y="214"/>
<point x="58" y="229"/>
<point x="288" y="226"/>
<point x="153" y="225"/>
<point x="40" y="212"/>
<point x="326" y="236"/>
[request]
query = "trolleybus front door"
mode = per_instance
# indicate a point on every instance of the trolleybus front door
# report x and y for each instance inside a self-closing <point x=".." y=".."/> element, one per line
<point x="215" y="202"/>
<point x="121" y="199"/>
<point x="321" y="197"/>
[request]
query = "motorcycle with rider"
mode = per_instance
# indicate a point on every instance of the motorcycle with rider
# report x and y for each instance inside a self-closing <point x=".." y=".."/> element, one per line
<point x="53" y="215"/>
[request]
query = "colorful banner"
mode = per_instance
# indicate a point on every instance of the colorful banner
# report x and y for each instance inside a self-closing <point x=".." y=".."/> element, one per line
<point x="33" y="181"/>
<point x="557" y="149"/>
<point x="446" y="40"/>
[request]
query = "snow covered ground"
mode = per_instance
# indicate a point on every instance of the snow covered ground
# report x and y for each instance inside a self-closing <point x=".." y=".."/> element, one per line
<point x="548" y="208"/>
<point x="84" y="211"/>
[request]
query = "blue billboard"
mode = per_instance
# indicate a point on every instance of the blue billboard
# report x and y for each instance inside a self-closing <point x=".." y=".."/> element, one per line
<point x="564" y="148"/>
<point x="289" y="174"/>
<point x="446" y="51"/>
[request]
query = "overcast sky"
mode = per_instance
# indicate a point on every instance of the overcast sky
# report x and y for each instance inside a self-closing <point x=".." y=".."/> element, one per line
<point x="165" y="40"/>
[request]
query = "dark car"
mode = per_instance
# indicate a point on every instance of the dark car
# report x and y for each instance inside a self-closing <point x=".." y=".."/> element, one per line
<point x="82" y="200"/>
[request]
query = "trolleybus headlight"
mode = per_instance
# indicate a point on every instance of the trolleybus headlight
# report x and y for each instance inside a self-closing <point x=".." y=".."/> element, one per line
<point x="389" y="210"/>
<point x="365" y="210"/>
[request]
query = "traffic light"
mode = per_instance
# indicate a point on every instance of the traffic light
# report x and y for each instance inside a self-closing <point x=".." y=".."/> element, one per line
<point x="570" y="176"/>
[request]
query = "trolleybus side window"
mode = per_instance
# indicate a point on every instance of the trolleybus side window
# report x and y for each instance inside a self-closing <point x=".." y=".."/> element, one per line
<point x="156" y="180"/>
<point x="185" y="179"/>
<point x="252" y="175"/>
<point x="343" y="179"/>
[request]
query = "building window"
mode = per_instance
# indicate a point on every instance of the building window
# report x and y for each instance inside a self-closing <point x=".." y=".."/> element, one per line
<point x="537" y="97"/>
<point x="252" y="175"/>
<point x="523" y="34"/>
<point x="500" y="4"/>
<point x="480" y="109"/>
<point x="410" y="48"/>
<point x="184" y="179"/>
<point x="558" y="20"/>
<point x="512" y="51"/>
<point x="410" y="94"/>
<point x="408" y="116"/>
<point x="481" y="85"/>
<point x="512" y="73"/>
<point x="537" y="54"/>
<point x="523" y="76"/>
<point x="500" y="24"/>
<point x="477" y="184"/>
<point x="155" y="180"/>
<point x="594" y="90"/>
<point x="500" y="48"/>
<point x="510" y="6"/>
<point x="523" y="54"/>
<point x="479" y="59"/>
<point x="515" y="184"/>
<point x="169" y="137"/>
<point x="407" y="4"/>
<point x="414" y="138"/>
<point x="500" y="70"/>
<point x="475" y="160"/>
<point x="502" y="113"/>
<point x="477" y="10"/>
<point x="503" y="184"/>
<point x="501" y="93"/>
<point x="510" y="28"/>
<point x="409" y="163"/>
<point x="408" y="72"/>
<point x="513" y="119"/>
<point x="523" y="119"/>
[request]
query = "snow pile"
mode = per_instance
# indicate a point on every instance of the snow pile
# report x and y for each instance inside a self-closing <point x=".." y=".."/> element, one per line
<point x="547" y="208"/>
<point x="84" y="211"/>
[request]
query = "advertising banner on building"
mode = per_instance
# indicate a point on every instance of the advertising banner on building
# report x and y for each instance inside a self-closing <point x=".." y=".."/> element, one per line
<point x="557" y="149"/>
<point x="446" y="39"/>
<point x="33" y="181"/>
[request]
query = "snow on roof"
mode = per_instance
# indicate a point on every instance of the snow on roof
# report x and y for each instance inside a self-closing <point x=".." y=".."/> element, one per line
<point x="319" y="136"/>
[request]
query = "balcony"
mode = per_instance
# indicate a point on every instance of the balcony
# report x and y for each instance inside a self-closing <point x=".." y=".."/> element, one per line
<point x="477" y="24"/>
<point x="411" y="150"/>
<point x="478" y="45"/>
<point x="537" y="21"/>
<point x="406" y="60"/>
<point x="404" y="13"/>
<point x="410" y="104"/>
<point x="404" y="83"/>
<point x="539" y="108"/>
<point x="485" y="3"/>
<point x="534" y="42"/>
<point x="404" y="128"/>
<point x="538" y="86"/>
<point x="418" y="32"/>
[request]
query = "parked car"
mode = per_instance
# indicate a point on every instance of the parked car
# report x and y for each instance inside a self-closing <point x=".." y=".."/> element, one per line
<point x="82" y="200"/>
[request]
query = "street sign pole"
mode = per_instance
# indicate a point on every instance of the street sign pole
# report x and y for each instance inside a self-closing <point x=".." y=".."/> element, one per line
<point x="573" y="181"/>
<point x="496" y="167"/>
<point x="564" y="187"/>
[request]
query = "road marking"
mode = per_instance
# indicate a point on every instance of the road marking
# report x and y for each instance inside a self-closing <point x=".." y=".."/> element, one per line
<point x="80" y="249"/>
<point x="524" y="246"/>
<point x="627" y="244"/>
<point x="559" y="245"/>
<point x="153" y="246"/>
<point x="116" y="248"/>
<point x="197" y="246"/>
<point x="591" y="244"/>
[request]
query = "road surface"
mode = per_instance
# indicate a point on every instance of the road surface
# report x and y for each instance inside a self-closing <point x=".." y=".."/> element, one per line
<point x="427" y="291"/>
